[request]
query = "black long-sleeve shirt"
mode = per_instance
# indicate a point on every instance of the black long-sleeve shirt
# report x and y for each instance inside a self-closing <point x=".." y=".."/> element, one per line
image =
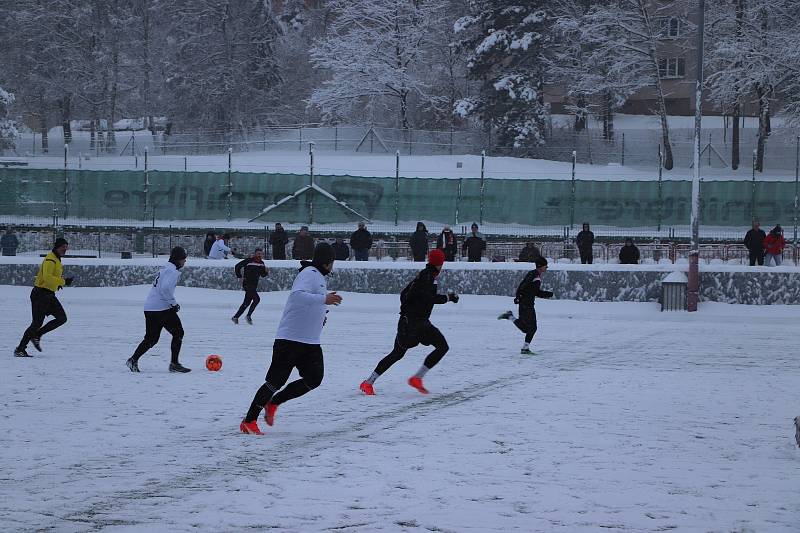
<point x="419" y="296"/>
<point x="249" y="271"/>
<point x="529" y="288"/>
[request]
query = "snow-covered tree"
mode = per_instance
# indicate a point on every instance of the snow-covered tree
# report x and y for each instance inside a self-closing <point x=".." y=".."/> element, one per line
<point x="220" y="66"/>
<point x="8" y="128"/>
<point x="585" y="70"/>
<point x="375" y="52"/>
<point x="624" y="36"/>
<point x="506" y="41"/>
<point x="755" y="54"/>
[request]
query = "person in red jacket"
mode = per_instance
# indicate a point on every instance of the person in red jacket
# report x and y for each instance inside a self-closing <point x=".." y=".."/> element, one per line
<point x="774" y="244"/>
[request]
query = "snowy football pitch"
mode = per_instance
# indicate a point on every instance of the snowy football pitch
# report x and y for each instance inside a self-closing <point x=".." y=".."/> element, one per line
<point x="627" y="420"/>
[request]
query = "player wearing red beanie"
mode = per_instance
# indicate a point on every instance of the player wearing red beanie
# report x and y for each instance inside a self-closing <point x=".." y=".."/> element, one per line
<point x="414" y="327"/>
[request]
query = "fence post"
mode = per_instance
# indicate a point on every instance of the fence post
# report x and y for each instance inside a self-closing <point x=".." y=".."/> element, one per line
<point x="311" y="182"/>
<point x="185" y="164"/>
<point x="99" y="247"/>
<point x="451" y="139"/>
<point x="796" y="182"/>
<point x="146" y="184"/>
<point x="66" y="180"/>
<point x="170" y="238"/>
<point x="753" y="198"/>
<point x="483" y="161"/>
<point x="300" y="144"/>
<point x="660" y="193"/>
<point x="153" y="235"/>
<point x="458" y="197"/>
<point x="410" y="140"/>
<point x="230" y="184"/>
<point x="396" y="186"/>
<point x="623" y="148"/>
<point x="572" y="196"/>
<point x="335" y="138"/>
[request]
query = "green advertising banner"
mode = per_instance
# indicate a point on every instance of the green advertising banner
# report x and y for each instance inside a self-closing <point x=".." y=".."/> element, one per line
<point x="130" y="195"/>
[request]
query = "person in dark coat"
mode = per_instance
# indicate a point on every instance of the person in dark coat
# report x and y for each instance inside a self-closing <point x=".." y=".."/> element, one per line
<point x="250" y="271"/>
<point x="278" y="240"/>
<point x="754" y="241"/>
<point x="211" y="238"/>
<point x="419" y="242"/>
<point x="584" y="240"/>
<point x="448" y="243"/>
<point x="361" y="242"/>
<point x="629" y="254"/>
<point x="529" y="253"/>
<point x="340" y="250"/>
<point x="474" y="245"/>
<point x="414" y="327"/>
<point x="303" y="247"/>
<point x="9" y="242"/>
<point x="528" y="290"/>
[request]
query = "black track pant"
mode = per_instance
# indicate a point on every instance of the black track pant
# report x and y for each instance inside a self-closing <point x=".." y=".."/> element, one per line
<point x="252" y="299"/>
<point x="43" y="303"/>
<point x="154" y="322"/>
<point x="586" y="258"/>
<point x="286" y="356"/>
<point x="756" y="257"/>
<point x="527" y="322"/>
<point x="411" y="334"/>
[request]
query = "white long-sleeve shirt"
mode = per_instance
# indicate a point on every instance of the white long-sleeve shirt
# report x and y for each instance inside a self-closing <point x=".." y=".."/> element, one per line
<point x="304" y="313"/>
<point x="219" y="250"/>
<point x="162" y="294"/>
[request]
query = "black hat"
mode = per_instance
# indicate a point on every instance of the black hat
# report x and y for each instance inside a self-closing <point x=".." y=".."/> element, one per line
<point x="61" y="241"/>
<point x="177" y="254"/>
<point x="540" y="262"/>
<point x="323" y="254"/>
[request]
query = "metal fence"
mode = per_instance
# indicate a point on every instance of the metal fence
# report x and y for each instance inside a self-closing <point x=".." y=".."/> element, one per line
<point x="628" y="146"/>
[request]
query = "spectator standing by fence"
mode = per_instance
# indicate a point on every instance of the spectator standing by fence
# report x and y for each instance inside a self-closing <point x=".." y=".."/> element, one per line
<point x="474" y="245"/>
<point x="448" y="243"/>
<point x="585" y="241"/>
<point x="361" y="242"/>
<point x="774" y="243"/>
<point x="754" y="241"/>
<point x="629" y="253"/>
<point x="220" y="249"/>
<point x="303" y="247"/>
<point x="9" y="242"/>
<point x="278" y="240"/>
<point x="419" y="242"/>
<point x="211" y="238"/>
<point x="529" y="253"/>
<point x="340" y="250"/>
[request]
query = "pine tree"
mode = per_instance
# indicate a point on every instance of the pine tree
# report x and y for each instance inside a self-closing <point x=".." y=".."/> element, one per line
<point x="506" y="41"/>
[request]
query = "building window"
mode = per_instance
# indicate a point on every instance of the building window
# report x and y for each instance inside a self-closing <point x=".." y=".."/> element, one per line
<point x="670" y="27"/>
<point x="672" y="67"/>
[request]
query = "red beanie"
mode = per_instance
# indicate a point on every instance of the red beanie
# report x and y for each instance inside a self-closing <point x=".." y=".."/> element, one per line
<point x="436" y="257"/>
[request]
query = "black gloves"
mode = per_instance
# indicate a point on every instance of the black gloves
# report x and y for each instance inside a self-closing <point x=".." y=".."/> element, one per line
<point x="175" y="307"/>
<point x="545" y="294"/>
<point x="68" y="281"/>
<point x="452" y="297"/>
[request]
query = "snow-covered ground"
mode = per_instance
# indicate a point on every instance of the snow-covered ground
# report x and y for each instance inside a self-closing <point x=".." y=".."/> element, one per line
<point x="627" y="420"/>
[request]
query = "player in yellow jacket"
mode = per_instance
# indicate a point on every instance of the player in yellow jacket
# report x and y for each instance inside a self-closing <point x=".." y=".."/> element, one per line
<point x="49" y="279"/>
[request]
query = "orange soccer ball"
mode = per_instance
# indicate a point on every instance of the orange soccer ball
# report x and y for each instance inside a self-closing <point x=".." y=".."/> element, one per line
<point x="214" y="362"/>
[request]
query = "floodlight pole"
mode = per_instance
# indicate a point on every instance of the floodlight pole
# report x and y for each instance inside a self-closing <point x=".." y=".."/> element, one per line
<point x="693" y="289"/>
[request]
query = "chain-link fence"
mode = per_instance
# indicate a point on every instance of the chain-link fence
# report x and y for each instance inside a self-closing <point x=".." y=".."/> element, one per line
<point x="631" y="147"/>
